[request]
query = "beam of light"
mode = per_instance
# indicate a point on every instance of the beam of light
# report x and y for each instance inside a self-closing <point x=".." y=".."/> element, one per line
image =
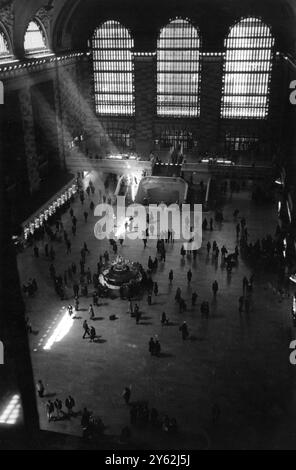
<point x="87" y="116"/>
<point x="60" y="332"/>
<point x="120" y="231"/>
<point x="12" y="411"/>
<point x="135" y="179"/>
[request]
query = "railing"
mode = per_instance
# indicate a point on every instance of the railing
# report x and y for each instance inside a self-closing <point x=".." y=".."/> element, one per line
<point x="49" y="208"/>
<point x="82" y="163"/>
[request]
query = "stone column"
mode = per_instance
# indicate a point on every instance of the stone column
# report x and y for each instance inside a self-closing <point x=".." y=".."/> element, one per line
<point x="29" y="139"/>
<point x="59" y="118"/>
<point x="210" y="102"/>
<point x="145" y="97"/>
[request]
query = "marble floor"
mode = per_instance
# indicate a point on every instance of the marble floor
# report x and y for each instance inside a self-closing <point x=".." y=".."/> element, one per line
<point x="239" y="362"/>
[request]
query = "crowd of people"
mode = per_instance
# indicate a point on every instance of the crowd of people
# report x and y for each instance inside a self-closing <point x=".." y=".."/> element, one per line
<point x="85" y="284"/>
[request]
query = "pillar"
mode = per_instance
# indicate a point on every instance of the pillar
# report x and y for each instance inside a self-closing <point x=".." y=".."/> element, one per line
<point x="29" y="139"/>
<point x="145" y="100"/>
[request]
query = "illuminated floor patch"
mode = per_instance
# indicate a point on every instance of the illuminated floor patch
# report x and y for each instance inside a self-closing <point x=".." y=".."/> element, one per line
<point x="12" y="412"/>
<point x="60" y="331"/>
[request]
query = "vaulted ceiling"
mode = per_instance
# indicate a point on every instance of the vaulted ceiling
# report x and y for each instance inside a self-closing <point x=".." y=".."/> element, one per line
<point x="72" y="21"/>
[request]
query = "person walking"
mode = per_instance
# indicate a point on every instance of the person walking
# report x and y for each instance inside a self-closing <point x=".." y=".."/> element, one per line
<point x="151" y="345"/>
<point x="178" y="295"/>
<point x="85" y="215"/>
<point x="86" y="329"/>
<point x="91" y="312"/>
<point x="184" y="330"/>
<point x="157" y="348"/>
<point x="136" y="309"/>
<point x="92" y="334"/>
<point x="138" y="315"/>
<point x="70" y="404"/>
<point x="127" y="394"/>
<point x="49" y="410"/>
<point x="245" y="284"/>
<point x="189" y="276"/>
<point x="215" y="288"/>
<point x="224" y="251"/>
<point x="171" y="276"/>
<point x="150" y="263"/>
<point x="70" y="310"/>
<point x="58" y="404"/>
<point x="164" y="319"/>
<point x="208" y="247"/>
<point x="182" y="252"/>
<point x="76" y="303"/>
<point x="40" y="388"/>
<point x="155" y="289"/>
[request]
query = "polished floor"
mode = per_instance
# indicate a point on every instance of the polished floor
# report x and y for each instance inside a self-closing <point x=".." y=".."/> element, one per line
<point x="240" y="362"/>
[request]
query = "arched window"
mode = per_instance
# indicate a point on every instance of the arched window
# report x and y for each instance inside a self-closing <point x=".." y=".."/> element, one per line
<point x="178" y="70"/>
<point x="35" y="39"/>
<point x="247" y="70"/>
<point x="113" y="69"/>
<point x="4" y="45"/>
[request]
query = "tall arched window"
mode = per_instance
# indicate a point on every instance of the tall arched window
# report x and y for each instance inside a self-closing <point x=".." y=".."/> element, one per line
<point x="178" y="70"/>
<point x="4" y="44"/>
<point x="113" y="69"/>
<point x="247" y="70"/>
<point x="35" y="39"/>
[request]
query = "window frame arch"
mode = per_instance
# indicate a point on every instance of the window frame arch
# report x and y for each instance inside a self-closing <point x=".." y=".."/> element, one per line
<point x="193" y="104"/>
<point x="6" y="38"/>
<point x="43" y="33"/>
<point x="252" y="110"/>
<point x="124" y="106"/>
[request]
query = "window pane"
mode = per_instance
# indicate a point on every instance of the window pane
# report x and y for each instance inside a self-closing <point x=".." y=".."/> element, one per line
<point x="4" y="49"/>
<point x="178" y="67"/>
<point x="113" y="69"/>
<point x="34" y="38"/>
<point x="247" y="71"/>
